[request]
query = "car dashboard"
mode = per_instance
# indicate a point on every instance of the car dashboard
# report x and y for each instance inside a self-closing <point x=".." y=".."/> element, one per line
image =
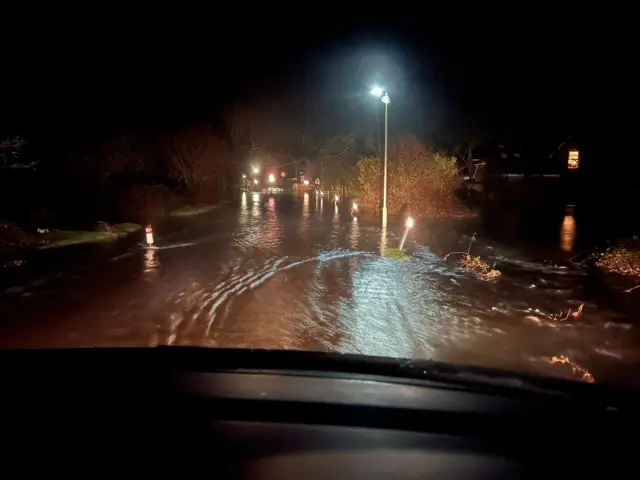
<point x="258" y="414"/>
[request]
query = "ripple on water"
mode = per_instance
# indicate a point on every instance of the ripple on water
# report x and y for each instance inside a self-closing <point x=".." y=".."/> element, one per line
<point x="312" y="279"/>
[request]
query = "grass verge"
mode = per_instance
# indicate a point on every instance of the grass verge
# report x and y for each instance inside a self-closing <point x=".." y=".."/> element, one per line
<point x="191" y="210"/>
<point x="63" y="238"/>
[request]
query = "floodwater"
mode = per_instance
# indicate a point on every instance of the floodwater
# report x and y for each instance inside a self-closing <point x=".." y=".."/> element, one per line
<point x="299" y="273"/>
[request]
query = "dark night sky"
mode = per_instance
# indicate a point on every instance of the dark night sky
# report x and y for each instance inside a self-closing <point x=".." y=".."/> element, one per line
<point x="540" y="75"/>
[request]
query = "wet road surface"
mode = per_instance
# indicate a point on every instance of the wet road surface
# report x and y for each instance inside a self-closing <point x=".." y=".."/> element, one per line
<point x="293" y="273"/>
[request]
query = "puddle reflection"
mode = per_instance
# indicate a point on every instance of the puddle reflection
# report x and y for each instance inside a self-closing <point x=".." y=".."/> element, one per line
<point x="568" y="231"/>
<point x="304" y="222"/>
<point x="151" y="260"/>
<point x="355" y="233"/>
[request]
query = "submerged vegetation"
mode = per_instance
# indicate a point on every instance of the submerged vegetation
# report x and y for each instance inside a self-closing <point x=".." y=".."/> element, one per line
<point x="476" y="265"/>
<point x="395" y="254"/>
<point x="623" y="259"/>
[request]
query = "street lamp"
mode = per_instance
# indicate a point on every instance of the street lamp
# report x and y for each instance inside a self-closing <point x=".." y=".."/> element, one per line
<point x="255" y="170"/>
<point x="377" y="91"/>
<point x="272" y="178"/>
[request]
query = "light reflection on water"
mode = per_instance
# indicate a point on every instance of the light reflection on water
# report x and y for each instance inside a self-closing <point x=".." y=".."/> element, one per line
<point x="568" y="231"/>
<point x="274" y="230"/>
<point x="256" y="287"/>
<point x="355" y="233"/>
<point x="151" y="260"/>
<point x="305" y="220"/>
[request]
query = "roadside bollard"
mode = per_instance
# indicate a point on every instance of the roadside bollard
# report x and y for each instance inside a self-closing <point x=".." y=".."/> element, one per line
<point x="149" y="232"/>
<point x="406" y="231"/>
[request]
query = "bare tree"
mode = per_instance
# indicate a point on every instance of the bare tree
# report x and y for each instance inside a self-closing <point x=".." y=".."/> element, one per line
<point x="114" y="156"/>
<point x="10" y="154"/>
<point x="464" y="152"/>
<point x="261" y="131"/>
<point x="337" y="163"/>
<point x="243" y="128"/>
<point x="199" y="161"/>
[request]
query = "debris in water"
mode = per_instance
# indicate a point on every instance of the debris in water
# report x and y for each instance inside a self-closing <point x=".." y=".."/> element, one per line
<point x="14" y="263"/>
<point x="578" y="371"/>
<point x="575" y="314"/>
<point x="578" y="312"/>
<point x="479" y="267"/>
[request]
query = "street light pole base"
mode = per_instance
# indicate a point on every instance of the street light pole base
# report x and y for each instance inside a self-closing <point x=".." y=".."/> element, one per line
<point x="384" y="216"/>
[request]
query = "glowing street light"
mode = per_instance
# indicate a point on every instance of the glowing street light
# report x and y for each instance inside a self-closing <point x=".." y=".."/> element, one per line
<point x="337" y="198"/>
<point x="354" y="209"/>
<point x="255" y="170"/>
<point x="272" y="178"/>
<point x="377" y="91"/>
<point x="244" y="176"/>
<point x="406" y="231"/>
<point x="255" y="181"/>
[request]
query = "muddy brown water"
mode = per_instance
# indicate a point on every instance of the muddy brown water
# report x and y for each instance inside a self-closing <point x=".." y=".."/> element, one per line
<point x="298" y="273"/>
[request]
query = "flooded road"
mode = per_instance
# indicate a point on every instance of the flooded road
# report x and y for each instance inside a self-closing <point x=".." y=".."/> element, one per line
<point x="296" y="273"/>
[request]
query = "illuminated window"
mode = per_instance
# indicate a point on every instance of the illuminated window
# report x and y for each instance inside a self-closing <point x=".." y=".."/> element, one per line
<point x="574" y="159"/>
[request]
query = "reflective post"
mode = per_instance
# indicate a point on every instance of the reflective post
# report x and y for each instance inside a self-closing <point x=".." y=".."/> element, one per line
<point x="149" y="233"/>
<point x="406" y="231"/>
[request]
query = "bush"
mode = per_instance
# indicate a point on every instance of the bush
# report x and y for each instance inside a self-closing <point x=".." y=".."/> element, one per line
<point x="369" y="182"/>
<point x="419" y="179"/>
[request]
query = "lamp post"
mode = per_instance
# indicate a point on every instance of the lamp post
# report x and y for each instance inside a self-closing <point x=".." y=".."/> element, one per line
<point x="377" y="91"/>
